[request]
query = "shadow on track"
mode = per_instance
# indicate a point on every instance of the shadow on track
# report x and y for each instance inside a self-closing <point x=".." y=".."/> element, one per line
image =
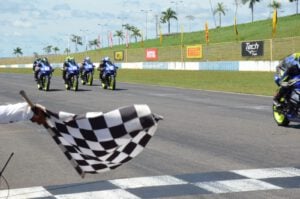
<point x="55" y="90"/>
<point x="294" y="126"/>
<point x="117" y="89"/>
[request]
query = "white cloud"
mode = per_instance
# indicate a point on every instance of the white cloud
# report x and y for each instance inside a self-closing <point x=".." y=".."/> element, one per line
<point x="39" y="21"/>
<point x="21" y="23"/>
<point x="17" y="34"/>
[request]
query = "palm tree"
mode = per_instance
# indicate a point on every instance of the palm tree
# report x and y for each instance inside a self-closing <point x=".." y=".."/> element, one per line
<point x="236" y="3"/>
<point x="191" y="18"/>
<point x="76" y="40"/>
<point x="167" y="16"/>
<point x="136" y="33"/>
<point x="55" y="49"/>
<point x="128" y="27"/>
<point x="120" y="35"/>
<point x="275" y="5"/>
<point x="221" y="10"/>
<point x="94" y="42"/>
<point x="251" y="5"/>
<point x="67" y="51"/>
<point x="48" y="49"/>
<point x="297" y="2"/>
<point x="35" y="55"/>
<point x="18" y="51"/>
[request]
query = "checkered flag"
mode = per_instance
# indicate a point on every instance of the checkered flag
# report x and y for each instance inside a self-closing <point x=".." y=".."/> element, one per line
<point x="98" y="142"/>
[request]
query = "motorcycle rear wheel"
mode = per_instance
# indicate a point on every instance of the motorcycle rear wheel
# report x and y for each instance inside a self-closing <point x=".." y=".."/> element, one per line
<point x="279" y="117"/>
<point x="90" y="79"/>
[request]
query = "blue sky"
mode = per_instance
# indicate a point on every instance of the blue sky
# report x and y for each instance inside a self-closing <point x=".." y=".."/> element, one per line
<point x="34" y="24"/>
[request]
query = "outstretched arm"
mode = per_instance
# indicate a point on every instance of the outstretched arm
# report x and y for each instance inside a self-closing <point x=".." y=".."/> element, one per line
<point x="15" y="113"/>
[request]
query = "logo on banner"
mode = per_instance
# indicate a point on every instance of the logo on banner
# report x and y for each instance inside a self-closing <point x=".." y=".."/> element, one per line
<point x="151" y="54"/>
<point x="252" y="48"/>
<point x="119" y="55"/>
<point x="194" y="51"/>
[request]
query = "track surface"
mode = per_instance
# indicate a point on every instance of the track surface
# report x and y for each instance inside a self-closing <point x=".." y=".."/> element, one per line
<point x="202" y="132"/>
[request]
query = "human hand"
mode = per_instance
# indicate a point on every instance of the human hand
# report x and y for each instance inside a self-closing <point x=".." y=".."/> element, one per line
<point x="39" y="115"/>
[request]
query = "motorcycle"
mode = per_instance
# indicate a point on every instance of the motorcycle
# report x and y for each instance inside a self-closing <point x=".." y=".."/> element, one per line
<point x="108" y="80"/>
<point x="87" y="74"/>
<point x="44" y="77"/>
<point x="289" y="111"/>
<point x="72" y="75"/>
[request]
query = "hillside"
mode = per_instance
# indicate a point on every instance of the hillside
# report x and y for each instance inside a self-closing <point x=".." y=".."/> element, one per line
<point x="287" y="27"/>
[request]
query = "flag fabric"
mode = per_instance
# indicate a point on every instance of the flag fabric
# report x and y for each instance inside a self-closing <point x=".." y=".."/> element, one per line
<point x="235" y="28"/>
<point x="142" y="39"/>
<point x="206" y="33"/>
<point x="127" y="39"/>
<point x="97" y="142"/>
<point x="274" y="22"/>
<point x="111" y="39"/>
<point x="99" y="42"/>
<point x="182" y="30"/>
<point x="160" y="36"/>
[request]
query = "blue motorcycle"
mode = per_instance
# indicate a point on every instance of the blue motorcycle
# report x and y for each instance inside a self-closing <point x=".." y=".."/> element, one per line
<point x="72" y="74"/>
<point x="87" y="74"/>
<point x="290" y="109"/>
<point x="108" y="79"/>
<point x="44" y="77"/>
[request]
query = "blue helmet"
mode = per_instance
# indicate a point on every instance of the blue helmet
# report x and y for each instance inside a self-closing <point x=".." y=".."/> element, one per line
<point x="106" y="59"/>
<point x="87" y="59"/>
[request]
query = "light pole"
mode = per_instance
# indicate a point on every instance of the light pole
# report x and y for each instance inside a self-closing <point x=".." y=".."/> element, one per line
<point x="85" y="37"/>
<point x="101" y="31"/>
<point x="146" y="11"/>
<point x="176" y="7"/>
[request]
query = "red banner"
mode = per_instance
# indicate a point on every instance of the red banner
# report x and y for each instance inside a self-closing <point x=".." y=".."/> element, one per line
<point x="151" y="54"/>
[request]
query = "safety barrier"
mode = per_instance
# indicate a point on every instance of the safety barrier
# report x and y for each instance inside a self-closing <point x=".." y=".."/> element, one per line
<point x="222" y="65"/>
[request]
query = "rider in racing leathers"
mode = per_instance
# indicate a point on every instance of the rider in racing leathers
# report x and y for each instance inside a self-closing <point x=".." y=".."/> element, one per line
<point x="38" y="63"/>
<point x="69" y="60"/>
<point x="35" y="69"/>
<point x="86" y="61"/>
<point x="287" y="69"/>
<point x="105" y="62"/>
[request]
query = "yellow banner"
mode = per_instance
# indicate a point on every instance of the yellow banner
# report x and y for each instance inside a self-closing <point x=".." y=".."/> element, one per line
<point x="119" y="55"/>
<point x="194" y="51"/>
<point x="274" y="22"/>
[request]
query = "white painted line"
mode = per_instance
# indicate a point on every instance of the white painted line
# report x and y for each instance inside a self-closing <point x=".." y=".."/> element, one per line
<point x="147" y="182"/>
<point x="269" y="173"/>
<point x="25" y="193"/>
<point x="228" y="186"/>
<point x="111" y="194"/>
<point x="255" y="107"/>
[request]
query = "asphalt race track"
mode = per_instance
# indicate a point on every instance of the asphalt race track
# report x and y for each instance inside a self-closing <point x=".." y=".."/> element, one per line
<point x="204" y="134"/>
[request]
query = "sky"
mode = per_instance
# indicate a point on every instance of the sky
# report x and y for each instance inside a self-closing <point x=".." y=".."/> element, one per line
<point x="34" y="24"/>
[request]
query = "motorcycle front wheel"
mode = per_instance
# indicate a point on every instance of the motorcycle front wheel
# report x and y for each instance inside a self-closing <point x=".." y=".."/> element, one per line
<point x="279" y="117"/>
<point x="112" y="83"/>
<point x="46" y="83"/>
<point x="90" y="79"/>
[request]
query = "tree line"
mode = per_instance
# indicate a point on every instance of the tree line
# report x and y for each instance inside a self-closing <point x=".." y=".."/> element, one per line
<point x="165" y="18"/>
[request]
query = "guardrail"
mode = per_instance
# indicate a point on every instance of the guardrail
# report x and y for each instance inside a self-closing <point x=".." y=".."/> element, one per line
<point x="215" y="65"/>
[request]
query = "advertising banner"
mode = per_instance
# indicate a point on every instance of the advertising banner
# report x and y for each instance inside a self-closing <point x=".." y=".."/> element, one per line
<point x="253" y="48"/>
<point x="194" y="51"/>
<point x="119" y="55"/>
<point x="151" y="54"/>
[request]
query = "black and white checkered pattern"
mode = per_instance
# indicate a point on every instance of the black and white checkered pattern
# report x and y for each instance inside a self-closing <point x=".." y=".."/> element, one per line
<point x="188" y="185"/>
<point x="98" y="142"/>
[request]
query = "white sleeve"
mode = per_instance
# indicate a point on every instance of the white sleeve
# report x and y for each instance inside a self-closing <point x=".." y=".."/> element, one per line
<point x="15" y="113"/>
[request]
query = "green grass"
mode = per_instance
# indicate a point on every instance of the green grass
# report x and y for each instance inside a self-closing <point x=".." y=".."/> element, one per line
<point x="260" y="83"/>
